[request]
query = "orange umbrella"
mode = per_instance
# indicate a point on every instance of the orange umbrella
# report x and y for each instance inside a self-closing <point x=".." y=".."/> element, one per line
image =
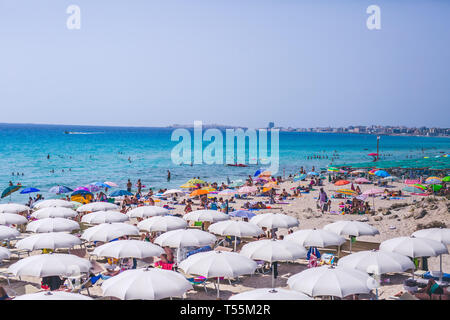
<point x="198" y="192"/>
<point x="341" y="182"/>
<point x="270" y="184"/>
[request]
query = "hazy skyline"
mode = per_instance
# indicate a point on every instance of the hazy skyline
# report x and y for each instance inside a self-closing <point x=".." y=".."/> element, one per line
<point x="244" y="63"/>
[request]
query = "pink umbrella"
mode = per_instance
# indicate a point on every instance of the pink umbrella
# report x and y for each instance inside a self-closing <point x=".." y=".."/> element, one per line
<point x="247" y="189"/>
<point x="361" y="180"/>
<point x="410" y="181"/>
<point x="111" y="184"/>
<point x="93" y="188"/>
<point x="372" y="192"/>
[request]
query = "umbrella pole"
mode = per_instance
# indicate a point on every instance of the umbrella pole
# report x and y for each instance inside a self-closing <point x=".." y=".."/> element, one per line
<point x="273" y="276"/>
<point x="235" y="243"/>
<point x="440" y="267"/>
<point x="218" y="292"/>
<point x="350" y="244"/>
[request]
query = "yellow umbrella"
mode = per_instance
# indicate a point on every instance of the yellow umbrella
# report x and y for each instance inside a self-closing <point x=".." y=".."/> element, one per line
<point x="270" y="184"/>
<point x="267" y="189"/>
<point x="188" y="185"/>
<point x="196" y="181"/>
<point x="209" y="189"/>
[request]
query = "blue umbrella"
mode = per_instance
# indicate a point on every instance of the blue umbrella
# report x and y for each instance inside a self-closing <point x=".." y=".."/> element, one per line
<point x="60" y="189"/>
<point x="258" y="172"/>
<point x="300" y="177"/>
<point x="312" y="173"/>
<point x="381" y="173"/>
<point x="81" y="193"/>
<point x="120" y="193"/>
<point x="242" y="214"/>
<point x="29" y="190"/>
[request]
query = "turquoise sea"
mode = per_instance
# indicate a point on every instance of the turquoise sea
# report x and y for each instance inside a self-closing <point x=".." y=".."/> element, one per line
<point x="101" y="154"/>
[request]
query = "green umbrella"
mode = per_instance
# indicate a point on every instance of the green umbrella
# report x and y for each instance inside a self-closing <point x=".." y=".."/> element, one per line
<point x="436" y="187"/>
<point x="10" y="190"/>
<point x="446" y="179"/>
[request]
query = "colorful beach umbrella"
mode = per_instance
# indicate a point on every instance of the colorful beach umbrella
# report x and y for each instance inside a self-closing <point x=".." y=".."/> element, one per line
<point x="332" y="169"/>
<point x="248" y="189"/>
<point x="446" y="179"/>
<point x="433" y="180"/>
<point x="198" y="192"/>
<point x="29" y="190"/>
<point x="312" y="173"/>
<point x="188" y="186"/>
<point x="10" y="190"/>
<point x="341" y="182"/>
<point x="347" y="192"/>
<point x="412" y="189"/>
<point x="99" y="184"/>
<point x="242" y="214"/>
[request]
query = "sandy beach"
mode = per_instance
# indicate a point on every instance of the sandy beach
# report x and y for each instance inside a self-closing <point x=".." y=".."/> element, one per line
<point x="393" y="218"/>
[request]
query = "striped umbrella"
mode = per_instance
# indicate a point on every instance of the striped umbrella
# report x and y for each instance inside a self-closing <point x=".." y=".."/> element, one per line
<point x="10" y="190"/>
<point x="60" y="189"/>
<point x="412" y="189"/>
<point x="433" y="180"/>
<point x="348" y="192"/>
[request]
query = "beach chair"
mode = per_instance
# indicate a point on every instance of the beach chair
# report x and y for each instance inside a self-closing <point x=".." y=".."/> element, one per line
<point x="198" y="281"/>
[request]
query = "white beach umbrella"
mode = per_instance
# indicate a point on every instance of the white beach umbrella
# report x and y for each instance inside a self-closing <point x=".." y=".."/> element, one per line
<point x="206" y="215"/>
<point x="98" y="217"/>
<point x="377" y="262"/>
<point x="52" y="225"/>
<point x="332" y="281"/>
<point x="173" y="192"/>
<point x="215" y="264"/>
<point x="54" y="212"/>
<point x="270" y="294"/>
<point x="51" y="240"/>
<point x="235" y="228"/>
<point x="146" y="284"/>
<point x="53" y="295"/>
<point x="147" y="211"/>
<point x="128" y="249"/>
<point x="273" y="251"/>
<point x="4" y="253"/>
<point x="97" y="206"/>
<point x="414" y="247"/>
<point x="438" y="234"/>
<point x="162" y="224"/>
<point x="274" y="220"/>
<point x="351" y="228"/>
<point x="106" y="232"/>
<point x="53" y="203"/>
<point x="315" y="238"/>
<point x="12" y="218"/>
<point x="185" y="238"/>
<point x="8" y="233"/>
<point x="13" y="208"/>
<point x="53" y="264"/>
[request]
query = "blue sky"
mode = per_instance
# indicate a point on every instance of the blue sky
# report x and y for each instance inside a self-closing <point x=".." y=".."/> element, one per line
<point x="247" y="62"/>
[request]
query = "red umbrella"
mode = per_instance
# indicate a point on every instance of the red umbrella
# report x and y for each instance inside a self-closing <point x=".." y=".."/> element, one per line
<point x="373" y="154"/>
<point x="341" y="182"/>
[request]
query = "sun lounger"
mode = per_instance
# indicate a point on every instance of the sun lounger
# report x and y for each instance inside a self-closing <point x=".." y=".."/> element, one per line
<point x="198" y="281"/>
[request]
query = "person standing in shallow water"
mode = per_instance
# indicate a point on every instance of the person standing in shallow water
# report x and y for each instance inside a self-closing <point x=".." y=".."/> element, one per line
<point x="168" y="175"/>
<point x="129" y="185"/>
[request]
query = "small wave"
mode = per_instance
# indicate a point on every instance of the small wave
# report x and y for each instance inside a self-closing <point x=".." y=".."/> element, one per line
<point x="72" y="132"/>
